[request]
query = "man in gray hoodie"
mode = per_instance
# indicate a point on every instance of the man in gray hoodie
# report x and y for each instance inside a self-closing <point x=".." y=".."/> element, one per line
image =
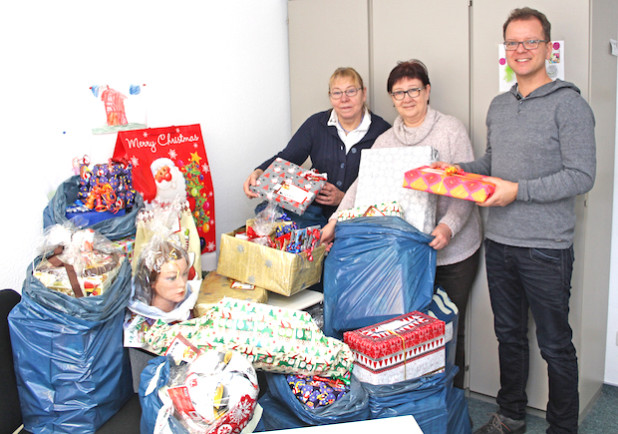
<point x="541" y="151"/>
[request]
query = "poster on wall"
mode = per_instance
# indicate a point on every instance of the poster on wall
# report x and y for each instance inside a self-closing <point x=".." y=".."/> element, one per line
<point x="120" y="108"/>
<point x="160" y="155"/>
<point x="554" y="66"/>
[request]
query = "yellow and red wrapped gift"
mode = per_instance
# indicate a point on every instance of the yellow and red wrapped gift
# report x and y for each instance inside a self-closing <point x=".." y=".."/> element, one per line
<point x="449" y="182"/>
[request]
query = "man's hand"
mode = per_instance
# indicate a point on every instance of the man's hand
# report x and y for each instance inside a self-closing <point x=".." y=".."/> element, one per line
<point x="329" y="195"/>
<point x="251" y="181"/>
<point x="442" y="236"/>
<point x="505" y="193"/>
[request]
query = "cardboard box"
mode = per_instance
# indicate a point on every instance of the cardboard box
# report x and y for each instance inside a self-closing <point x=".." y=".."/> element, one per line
<point x="289" y="186"/>
<point x="379" y="180"/>
<point x="453" y="183"/>
<point x="215" y="287"/>
<point x="272" y="269"/>
<point x="399" y="349"/>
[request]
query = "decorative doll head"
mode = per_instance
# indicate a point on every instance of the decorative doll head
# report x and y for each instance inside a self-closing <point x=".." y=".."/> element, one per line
<point x="162" y="274"/>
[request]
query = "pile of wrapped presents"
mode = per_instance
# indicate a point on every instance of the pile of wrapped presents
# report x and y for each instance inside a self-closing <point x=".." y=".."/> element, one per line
<point x="117" y="302"/>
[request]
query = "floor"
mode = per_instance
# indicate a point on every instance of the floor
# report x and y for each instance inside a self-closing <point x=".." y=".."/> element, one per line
<point x="602" y="418"/>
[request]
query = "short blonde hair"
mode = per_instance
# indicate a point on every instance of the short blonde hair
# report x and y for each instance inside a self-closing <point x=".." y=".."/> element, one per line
<point x="346" y="72"/>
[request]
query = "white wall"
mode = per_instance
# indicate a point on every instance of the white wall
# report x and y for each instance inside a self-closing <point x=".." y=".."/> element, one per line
<point x="611" y="354"/>
<point x="222" y="64"/>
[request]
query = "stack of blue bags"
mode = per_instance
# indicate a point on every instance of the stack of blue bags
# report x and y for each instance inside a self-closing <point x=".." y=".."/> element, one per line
<point x="379" y="268"/>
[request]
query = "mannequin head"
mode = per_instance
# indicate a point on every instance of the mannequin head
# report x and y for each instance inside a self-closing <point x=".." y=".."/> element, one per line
<point x="161" y="275"/>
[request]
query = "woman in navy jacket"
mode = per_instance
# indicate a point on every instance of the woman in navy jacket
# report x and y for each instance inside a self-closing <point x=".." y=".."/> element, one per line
<point x="333" y="139"/>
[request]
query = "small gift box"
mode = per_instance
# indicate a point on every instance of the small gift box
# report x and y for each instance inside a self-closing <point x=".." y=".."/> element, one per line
<point x="392" y="209"/>
<point x="399" y="349"/>
<point x="289" y="185"/>
<point x="449" y="182"/>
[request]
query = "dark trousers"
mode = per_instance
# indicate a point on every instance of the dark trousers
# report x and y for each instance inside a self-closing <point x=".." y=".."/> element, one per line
<point x="457" y="279"/>
<point x="539" y="280"/>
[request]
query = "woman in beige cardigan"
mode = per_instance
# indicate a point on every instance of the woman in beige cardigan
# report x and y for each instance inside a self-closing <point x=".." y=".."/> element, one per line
<point x="457" y="236"/>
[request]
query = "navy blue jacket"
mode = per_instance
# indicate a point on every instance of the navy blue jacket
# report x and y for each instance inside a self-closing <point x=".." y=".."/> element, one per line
<point x="320" y="142"/>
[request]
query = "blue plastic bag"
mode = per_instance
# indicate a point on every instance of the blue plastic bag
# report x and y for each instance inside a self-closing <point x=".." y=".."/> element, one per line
<point x="378" y="268"/>
<point x="424" y="398"/>
<point x="154" y="376"/>
<point x="115" y="228"/>
<point x="72" y="370"/>
<point x="458" y="415"/>
<point x="283" y="410"/>
<point x="157" y="374"/>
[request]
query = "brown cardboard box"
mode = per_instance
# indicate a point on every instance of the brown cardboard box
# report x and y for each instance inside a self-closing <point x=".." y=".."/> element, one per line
<point x="214" y="287"/>
<point x="276" y="270"/>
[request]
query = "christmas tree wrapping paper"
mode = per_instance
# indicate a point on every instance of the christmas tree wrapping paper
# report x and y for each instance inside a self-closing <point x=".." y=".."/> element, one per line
<point x="405" y="347"/>
<point x="379" y="180"/>
<point x="289" y="186"/>
<point x="273" y="338"/>
<point x="449" y="182"/>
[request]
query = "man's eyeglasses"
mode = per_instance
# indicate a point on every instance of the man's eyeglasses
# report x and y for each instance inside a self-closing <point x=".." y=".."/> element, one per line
<point x="336" y="94"/>
<point x="412" y="93"/>
<point x="530" y="44"/>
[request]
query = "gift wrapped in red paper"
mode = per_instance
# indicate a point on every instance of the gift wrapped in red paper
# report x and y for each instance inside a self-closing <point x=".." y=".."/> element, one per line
<point x="402" y="348"/>
<point x="449" y="182"/>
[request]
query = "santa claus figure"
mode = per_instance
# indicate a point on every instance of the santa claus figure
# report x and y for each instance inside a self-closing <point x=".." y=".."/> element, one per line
<point x="169" y="181"/>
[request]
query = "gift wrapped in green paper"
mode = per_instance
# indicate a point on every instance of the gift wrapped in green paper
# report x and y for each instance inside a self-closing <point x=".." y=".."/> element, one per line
<point x="273" y="338"/>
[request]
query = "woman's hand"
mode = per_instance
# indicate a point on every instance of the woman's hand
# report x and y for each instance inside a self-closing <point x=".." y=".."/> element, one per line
<point x="328" y="234"/>
<point x="252" y="181"/>
<point x="442" y="236"/>
<point x="329" y="195"/>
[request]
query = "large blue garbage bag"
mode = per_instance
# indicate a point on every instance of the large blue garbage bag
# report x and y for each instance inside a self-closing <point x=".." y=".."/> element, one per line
<point x="458" y="415"/>
<point x="154" y="376"/>
<point x="378" y="268"/>
<point x="283" y="410"/>
<point x="72" y="370"/>
<point x="115" y="228"/>
<point x="424" y="398"/>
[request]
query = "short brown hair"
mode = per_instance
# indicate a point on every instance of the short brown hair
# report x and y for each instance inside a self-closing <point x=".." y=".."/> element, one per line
<point x="528" y="14"/>
<point x="408" y="69"/>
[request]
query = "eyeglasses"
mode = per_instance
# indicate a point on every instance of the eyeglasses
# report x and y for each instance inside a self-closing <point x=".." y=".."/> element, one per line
<point x="349" y="93"/>
<point x="530" y="44"/>
<point x="412" y="93"/>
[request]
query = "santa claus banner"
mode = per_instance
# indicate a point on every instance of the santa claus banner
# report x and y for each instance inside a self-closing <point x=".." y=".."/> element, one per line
<point x="166" y="160"/>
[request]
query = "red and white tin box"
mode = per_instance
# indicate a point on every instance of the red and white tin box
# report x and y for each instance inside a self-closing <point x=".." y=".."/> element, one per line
<point x="402" y="348"/>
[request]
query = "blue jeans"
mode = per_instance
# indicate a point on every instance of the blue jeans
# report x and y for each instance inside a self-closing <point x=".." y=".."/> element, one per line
<point x="519" y="279"/>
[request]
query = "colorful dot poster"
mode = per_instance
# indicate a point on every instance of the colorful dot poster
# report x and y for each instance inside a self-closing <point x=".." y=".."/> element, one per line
<point x="554" y="66"/>
<point x="167" y="160"/>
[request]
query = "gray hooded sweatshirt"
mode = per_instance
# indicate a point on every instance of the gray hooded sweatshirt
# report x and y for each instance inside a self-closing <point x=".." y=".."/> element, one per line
<point x="545" y="142"/>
